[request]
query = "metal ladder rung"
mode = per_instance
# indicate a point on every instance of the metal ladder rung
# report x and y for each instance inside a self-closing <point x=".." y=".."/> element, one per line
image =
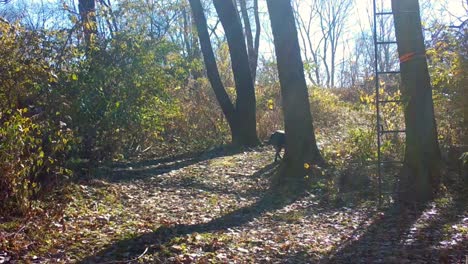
<point x="390" y="101"/>
<point x="380" y="131"/>
<point x="386" y="42"/>
<point x="388" y="72"/>
<point x="391" y="162"/>
<point x="384" y="13"/>
<point x="372" y="163"/>
<point x="392" y="131"/>
<point x="391" y="193"/>
<point x="406" y="12"/>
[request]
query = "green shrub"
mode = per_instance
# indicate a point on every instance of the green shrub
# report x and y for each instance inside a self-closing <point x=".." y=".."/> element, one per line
<point x="447" y="57"/>
<point x="33" y="140"/>
<point x="25" y="163"/>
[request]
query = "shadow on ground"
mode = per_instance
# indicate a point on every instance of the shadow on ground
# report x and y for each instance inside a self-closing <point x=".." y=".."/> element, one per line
<point x="393" y="237"/>
<point x="129" y="171"/>
<point x="200" y="184"/>
<point x="135" y="246"/>
<point x="399" y="236"/>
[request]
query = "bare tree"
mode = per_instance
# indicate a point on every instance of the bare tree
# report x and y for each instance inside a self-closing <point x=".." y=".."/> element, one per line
<point x="252" y="44"/>
<point x="33" y="15"/>
<point x="109" y="17"/>
<point x="330" y="17"/>
<point x="305" y="26"/>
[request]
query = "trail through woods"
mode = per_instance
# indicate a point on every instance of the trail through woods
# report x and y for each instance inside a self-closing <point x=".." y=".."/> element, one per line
<point x="216" y="207"/>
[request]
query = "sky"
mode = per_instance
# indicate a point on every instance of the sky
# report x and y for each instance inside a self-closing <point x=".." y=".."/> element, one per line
<point x="444" y="10"/>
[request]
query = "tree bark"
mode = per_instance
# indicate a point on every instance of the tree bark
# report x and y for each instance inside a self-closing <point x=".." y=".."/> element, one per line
<point x="210" y="63"/>
<point x="301" y="145"/>
<point x="245" y="102"/>
<point x="421" y="169"/>
<point x="252" y="45"/>
<point x="241" y="118"/>
<point x="87" y="9"/>
<point x="258" y="29"/>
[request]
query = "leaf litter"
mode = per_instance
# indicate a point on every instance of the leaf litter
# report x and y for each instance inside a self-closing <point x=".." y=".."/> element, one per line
<point x="216" y="210"/>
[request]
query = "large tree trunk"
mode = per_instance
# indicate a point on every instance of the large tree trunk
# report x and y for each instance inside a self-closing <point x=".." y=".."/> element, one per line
<point x="421" y="169"/>
<point x="301" y="146"/>
<point x="464" y="91"/>
<point x="87" y="9"/>
<point x="245" y="102"/>
<point x="241" y="119"/>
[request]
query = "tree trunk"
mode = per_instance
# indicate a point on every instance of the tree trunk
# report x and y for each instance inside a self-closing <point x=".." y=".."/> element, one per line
<point x="258" y="29"/>
<point x="464" y="91"/>
<point x="251" y="46"/>
<point x="301" y="145"/>
<point x="210" y="63"/>
<point x="87" y="9"/>
<point x="421" y="169"/>
<point x="245" y="102"/>
<point x="241" y="119"/>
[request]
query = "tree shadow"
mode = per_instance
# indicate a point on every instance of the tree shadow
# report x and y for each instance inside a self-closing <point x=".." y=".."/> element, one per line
<point x="269" y="201"/>
<point x="196" y="183"/>
<point x="365" y="243"/>
<point x="377" y="241"/>
<point x="397" y="236"/>
<point x="138" y="170"/>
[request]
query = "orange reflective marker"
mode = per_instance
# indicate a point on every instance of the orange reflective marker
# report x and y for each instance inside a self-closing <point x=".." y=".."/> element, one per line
<point x="409" y="56"/>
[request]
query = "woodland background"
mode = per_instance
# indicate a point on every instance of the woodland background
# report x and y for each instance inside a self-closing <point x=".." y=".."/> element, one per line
<point x="65" y="119"/>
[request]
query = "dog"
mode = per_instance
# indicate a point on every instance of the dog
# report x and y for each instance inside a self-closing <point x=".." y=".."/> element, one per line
<point x="278" y="140"/>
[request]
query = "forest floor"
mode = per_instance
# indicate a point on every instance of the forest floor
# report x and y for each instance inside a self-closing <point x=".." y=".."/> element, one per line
<point x="216" y="207"/>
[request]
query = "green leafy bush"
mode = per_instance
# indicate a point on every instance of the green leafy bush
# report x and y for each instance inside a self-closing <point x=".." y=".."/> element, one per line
<point x="28" y="159"/>
<point x="20" y="155"/>
<point x="447" y="56"/>
<point x="119" y="96"/>
<point x="33" y="141"/>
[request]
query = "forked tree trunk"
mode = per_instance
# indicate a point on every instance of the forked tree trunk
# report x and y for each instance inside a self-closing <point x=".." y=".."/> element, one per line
<point x="245" y="102"/>
<point x="421" y="169"/>
<point x="210" y="63"/>
<point x="241" y="118"/>
<point x="301" y="145"/>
